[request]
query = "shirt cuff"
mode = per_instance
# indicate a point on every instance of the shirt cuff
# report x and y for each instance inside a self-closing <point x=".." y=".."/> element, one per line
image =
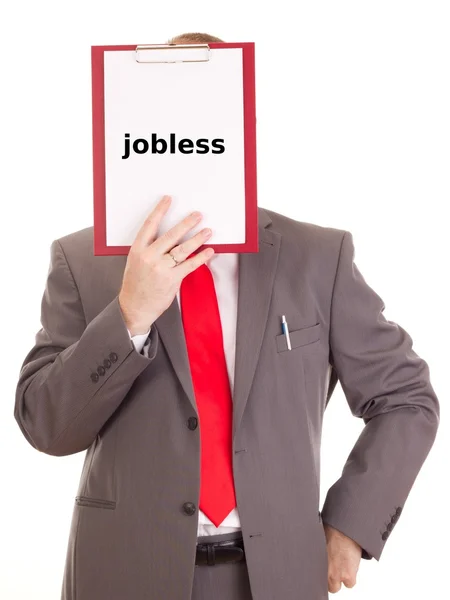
<point x="139" y="339"/>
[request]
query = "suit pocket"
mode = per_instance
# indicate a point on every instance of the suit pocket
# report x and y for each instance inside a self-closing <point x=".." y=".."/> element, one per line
<point x="94" y="502"/>
<point x="299" y="337"/>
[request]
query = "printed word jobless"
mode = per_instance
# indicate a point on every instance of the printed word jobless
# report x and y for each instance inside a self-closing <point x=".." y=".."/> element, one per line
<point x="158" y="145"/>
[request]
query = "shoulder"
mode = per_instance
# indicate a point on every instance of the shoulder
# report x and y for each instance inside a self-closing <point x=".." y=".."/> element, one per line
<point x="307" y="237"/>
<point x="78" y="242"/>
<point x="76" y="247"/>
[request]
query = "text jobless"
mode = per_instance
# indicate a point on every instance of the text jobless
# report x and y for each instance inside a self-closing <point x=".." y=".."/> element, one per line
<point x="160" y="145"/>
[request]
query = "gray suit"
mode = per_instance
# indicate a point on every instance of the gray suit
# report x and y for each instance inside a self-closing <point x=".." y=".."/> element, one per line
<point x="84" y="386"/>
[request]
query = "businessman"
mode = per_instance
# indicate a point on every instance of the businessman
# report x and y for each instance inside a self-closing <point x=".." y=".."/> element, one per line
<point x="202" y="420"/>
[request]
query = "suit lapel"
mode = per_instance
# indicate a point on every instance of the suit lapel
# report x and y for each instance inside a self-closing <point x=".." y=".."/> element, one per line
<point x="170" y="329"/>
<point x="256" y="276"/>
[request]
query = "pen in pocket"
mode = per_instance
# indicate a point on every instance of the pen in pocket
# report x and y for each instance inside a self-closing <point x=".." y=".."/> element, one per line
<point x="285" y="327"/>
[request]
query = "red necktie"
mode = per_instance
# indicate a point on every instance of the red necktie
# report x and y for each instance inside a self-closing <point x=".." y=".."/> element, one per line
<point x="204" y="341"/>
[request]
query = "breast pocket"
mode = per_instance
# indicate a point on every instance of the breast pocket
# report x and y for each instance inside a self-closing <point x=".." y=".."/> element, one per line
<point x="299" y="337"/>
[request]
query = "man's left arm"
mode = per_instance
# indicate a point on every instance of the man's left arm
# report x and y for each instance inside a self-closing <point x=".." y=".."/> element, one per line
<point x="387" y="385"/>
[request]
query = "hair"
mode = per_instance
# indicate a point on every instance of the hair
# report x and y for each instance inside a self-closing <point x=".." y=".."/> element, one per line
<point x="194" y="38"/>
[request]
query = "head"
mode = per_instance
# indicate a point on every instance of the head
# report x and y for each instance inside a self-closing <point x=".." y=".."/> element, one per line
<point x="194" y="38"/>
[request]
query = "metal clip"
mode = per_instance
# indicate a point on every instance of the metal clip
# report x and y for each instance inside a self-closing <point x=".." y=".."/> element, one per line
<point x="172" y="53"/>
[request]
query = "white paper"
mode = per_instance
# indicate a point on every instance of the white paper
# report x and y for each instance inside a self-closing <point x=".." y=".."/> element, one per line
<point x="192" y="100"/>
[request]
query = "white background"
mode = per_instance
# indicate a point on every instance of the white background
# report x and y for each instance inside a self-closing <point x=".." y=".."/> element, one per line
<point x="353" y="132"/>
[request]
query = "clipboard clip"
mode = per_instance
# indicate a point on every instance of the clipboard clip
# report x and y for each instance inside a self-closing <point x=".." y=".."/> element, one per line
<point x="172" y="53"/>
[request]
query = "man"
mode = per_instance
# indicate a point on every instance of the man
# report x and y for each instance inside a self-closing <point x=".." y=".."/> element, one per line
<point x="202" y="420"/>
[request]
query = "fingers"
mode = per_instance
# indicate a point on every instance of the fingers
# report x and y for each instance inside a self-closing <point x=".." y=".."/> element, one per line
<point x="147" y="233"/>
<point x="182" y="251"/>
<point x="344" y="557"/>
<point x="336" y="579"/>
<point x="334" y="585"/>
<point x="349" y="581"/>
<point x="194" y="262"/>
<point x="170" y="238"/>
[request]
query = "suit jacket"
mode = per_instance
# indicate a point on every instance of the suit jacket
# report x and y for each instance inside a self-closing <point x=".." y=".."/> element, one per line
<point x="83" y="386"/>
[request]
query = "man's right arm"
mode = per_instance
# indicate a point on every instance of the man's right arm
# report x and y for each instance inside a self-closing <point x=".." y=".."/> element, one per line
<point x="76" y="375"/>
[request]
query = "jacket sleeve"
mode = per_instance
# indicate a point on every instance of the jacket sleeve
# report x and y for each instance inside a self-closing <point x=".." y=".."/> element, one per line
<point x="75" y="376"/>
<point x="387" y="385"/>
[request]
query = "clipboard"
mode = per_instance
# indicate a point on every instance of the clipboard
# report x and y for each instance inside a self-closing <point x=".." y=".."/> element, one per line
<point x="222" y="186"/>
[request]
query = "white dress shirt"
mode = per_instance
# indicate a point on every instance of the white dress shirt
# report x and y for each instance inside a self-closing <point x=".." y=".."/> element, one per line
<point x="224" y="269"/>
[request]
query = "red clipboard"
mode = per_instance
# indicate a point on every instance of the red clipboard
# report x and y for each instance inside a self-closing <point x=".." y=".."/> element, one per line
<point x="98" y="135"/>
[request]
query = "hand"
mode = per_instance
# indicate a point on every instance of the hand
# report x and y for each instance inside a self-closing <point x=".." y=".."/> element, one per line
<point x="151" y="278"/>
<point x="344" y="556"/>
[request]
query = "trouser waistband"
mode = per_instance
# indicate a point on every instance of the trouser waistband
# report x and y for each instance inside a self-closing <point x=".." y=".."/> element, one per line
<point x="221" y="537"/>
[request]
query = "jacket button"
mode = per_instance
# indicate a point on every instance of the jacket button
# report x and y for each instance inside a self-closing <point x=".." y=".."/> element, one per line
<point x="390" y="526"/>
<point x="113" y="357"/>
<point x="101" y="370"/>
<point x="192" y="422"/>
<point x="107" y="363"/>
<point x="394" y="518"/>
<point x="398" y="511"/>
<point x="385" y="536"/>
<point x="95" y="377"/>
<point x="189" y="508"/>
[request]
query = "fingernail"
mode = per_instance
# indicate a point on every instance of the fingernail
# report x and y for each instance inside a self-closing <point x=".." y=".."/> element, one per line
<point x="196" y="214"/>
<point x="207" y="232"/>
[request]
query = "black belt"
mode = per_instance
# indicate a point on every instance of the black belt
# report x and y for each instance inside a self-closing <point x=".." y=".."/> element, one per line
<point x="220" y="552"/>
